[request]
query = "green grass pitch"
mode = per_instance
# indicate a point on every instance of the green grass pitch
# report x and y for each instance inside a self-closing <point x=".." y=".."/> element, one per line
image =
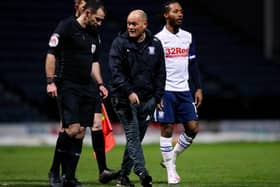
<point x="202" y="165"/>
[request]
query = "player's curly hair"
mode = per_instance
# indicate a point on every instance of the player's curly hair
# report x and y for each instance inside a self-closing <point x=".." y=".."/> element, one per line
<point x="166" y="8"/>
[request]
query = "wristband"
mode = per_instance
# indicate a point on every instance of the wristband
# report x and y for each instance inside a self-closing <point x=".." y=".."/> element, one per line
<point x="50" y="80"/>
<point x="100" y="84"/>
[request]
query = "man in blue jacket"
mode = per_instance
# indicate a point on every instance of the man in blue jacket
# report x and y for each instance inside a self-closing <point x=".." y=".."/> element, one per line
<point x="138" y="79"/>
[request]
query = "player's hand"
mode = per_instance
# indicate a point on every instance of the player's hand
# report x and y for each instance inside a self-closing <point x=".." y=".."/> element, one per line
<point x="103" y="91"/>
<point x="52" y="90"/>
<point x="160" y="105"/>
<point x="133" y="98"/>
<point x="198" y="97"/>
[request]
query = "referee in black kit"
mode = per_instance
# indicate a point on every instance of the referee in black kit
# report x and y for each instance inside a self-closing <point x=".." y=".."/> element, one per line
<point x="77" y="47"/>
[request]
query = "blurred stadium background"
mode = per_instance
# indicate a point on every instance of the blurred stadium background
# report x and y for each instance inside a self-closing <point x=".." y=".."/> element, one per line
<point x="238" y="46"/>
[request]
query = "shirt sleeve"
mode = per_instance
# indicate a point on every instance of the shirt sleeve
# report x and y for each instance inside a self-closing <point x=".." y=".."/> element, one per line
<point x="116" y="62"/>
<point x="160" y="74"/>
<point x="56" y="39"/>
<point x="96" y="57"/>
<point x="192" y="51"/>
<point x="193" y="67"/>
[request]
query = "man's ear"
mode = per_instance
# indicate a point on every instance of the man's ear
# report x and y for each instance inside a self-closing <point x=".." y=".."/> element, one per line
<point x="88" y="12"/>
<point x="146" y="24"/>
<point x="76" y="6"/>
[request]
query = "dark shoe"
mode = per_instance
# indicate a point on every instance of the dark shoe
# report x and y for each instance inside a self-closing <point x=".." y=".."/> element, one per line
<point x="107" y="175"/>
<point x="62" y="178"/>
<point x="146" y="179"/>
<point x="124" y="181"/>
<point x="72" y="183"/>
<point x="54" y="180"/>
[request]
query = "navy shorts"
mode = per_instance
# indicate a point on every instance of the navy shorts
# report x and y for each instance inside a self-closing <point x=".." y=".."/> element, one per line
<point x="77" y="104"/>
<point x="178" y="107"/>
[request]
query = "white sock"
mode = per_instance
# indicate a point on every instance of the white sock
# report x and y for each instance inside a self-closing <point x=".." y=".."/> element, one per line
<point x="166" y="148"/>
<point x="183" y="143"/>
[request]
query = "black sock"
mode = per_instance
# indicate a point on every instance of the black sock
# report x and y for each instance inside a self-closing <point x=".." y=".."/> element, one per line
<point x="98" y="145"/>
<point x="56" y="157"/>
<point x="64" y="163"/>
<point x="74" y="156"/>
<point x="63" y="147"/>
<point x="64" y="141"/>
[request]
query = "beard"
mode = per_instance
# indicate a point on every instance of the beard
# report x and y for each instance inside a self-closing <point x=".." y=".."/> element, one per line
<point x="175" y="24"/>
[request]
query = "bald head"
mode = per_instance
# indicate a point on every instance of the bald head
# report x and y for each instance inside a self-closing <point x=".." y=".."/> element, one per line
<point x="138" y="14"/>
<point x="137" y="22"/>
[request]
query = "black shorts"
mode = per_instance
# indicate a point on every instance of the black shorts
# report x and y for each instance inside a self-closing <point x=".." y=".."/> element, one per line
<point x="98" y="108"/>
<point x="77" y="104"/>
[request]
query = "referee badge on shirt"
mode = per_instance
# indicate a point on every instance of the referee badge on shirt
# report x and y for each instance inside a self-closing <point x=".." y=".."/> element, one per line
<point x="151" y="50"/>
<point x="54" y="40"/>
<point x="93" y="48"/>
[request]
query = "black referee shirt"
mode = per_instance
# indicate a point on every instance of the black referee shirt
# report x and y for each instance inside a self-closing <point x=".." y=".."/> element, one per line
<point x="76" y="49"/>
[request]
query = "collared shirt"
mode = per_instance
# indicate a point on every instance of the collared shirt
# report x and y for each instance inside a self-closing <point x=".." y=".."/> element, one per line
<point x="178" y="50"/>
<point x="76" y="49"/>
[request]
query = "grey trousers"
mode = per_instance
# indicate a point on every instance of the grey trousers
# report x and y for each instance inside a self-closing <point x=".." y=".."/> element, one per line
<point x="134" y="119"/>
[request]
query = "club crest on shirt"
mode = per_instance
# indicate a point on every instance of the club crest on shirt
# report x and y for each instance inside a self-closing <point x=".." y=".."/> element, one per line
<point x="151" y="50"/>
<point x="54" y="40"/>
<point x="93" y="48"/>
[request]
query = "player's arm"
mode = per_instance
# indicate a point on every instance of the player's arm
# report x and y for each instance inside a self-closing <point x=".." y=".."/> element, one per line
<point x="54" y="47"/>
<point x="195" y="76"/>
<point x="160" y="77"/>
<point x="50" y="71"/>
<point x="116" y="60"/>
<point x="96" y="75"/>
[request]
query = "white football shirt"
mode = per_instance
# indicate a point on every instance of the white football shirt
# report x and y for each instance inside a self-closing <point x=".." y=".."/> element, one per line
<point x="177" y="50"/>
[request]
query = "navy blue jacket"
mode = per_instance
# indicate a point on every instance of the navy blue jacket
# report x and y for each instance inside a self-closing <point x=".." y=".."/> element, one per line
<point x="137" y="67"/>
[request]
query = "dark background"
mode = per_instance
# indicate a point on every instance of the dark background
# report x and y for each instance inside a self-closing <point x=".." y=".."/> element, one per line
<point x="240" y="81"/>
